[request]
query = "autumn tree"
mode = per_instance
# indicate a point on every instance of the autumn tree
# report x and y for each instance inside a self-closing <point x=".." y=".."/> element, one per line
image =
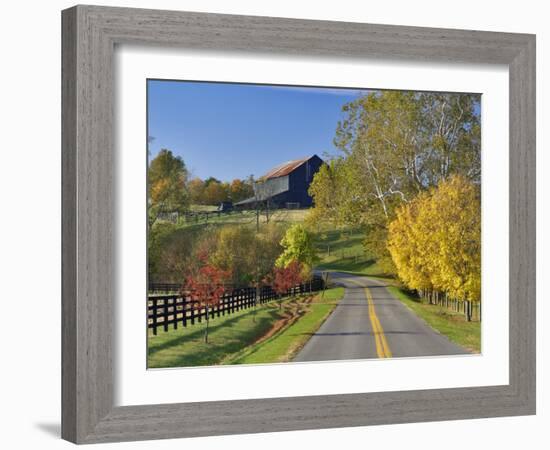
<point x="205" y="286"/>
<point x="393" y="146"/>
<point x="284" y="279"/>
<point x="235" y="246"/>
<point x="435" y="240"/>
<point x="408" y="243"/>
<point x="298" y="247"/>
<point x="457" y="238"/>
<point x="215" y="192"/>
<point x="335" y="194"/>
<point x="266" y="249"/>
<point x="167" y="178"/>
<point x="196" y="191"/>
<point x="170" y="251"/>
<point x="295" y="274"/>
<point x="240" y="190"/>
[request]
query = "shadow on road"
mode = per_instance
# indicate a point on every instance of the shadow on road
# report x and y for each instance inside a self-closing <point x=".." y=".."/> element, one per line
<point x="358" y="333"/>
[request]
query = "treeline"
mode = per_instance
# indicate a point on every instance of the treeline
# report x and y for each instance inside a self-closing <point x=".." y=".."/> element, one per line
<point x="171" y="190"/>
<point x="244" y="256"/>
<point x="213" y="191"/>
<point x="395" y="149"/>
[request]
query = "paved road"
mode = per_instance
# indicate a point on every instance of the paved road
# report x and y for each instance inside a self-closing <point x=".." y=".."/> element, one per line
<point x="369" y="322"/>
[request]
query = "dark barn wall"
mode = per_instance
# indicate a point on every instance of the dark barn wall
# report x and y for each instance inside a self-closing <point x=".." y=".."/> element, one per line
<point x="298" y="184"/>
<point x="300" y="179"/>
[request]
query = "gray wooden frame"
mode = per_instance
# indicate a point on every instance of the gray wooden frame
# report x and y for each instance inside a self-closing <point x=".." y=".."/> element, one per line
<point x="89" y="37"/>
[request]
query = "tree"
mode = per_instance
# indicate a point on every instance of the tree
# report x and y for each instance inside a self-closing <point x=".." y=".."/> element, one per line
<point x="408" y="245"/>
<point x="295" y="274"/>
<point x="211" y="180"/>
<point x="215" y="192"/>
<point x="196" y="191"/>
<point x="240" y="190"/>
<point x="395" y="145"/>
<point x="457" y="238"/>
<point x="167" y="178"/>
<point x="435" y="240"/>
<point x="206" y="287"/>
<point x="298" y="247"/>
<point x="212" y="191"/>
<point x="323" y="190"/>
<point x="283" y="279"/>
<point x="405" y="142"/>
<point x="170" y="251"/>
<point x="235" y="246"/>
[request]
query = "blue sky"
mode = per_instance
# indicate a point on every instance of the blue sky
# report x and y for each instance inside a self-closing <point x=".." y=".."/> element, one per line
<point x="233" y="130"/>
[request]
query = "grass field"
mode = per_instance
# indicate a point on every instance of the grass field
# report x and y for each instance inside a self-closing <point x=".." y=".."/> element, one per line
<point x="231" y="336"/>
<point x="451" y="324"/>
<point x="341" y="250"/>
<point x="243" y="217"/>
<point x="203" y="208"/>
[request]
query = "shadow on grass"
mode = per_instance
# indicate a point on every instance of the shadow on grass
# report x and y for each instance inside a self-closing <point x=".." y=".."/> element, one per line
<point x="336" y="246"/>
<point x="225" y="338"/>
<point x="347" y="265"/>
<point x="215" y="324"/>
<point x="359" y="268"/>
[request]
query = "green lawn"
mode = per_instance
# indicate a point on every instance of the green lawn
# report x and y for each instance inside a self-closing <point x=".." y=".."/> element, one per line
<point x="451" y="324"/>
<point x="341" y="250"/>
<point x="229" y="336"/>
<point x="284" y="345"/>
<point x="203" y="208"/>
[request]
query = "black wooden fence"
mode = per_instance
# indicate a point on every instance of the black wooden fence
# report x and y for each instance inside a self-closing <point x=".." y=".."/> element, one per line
<point x="176" y="308"/>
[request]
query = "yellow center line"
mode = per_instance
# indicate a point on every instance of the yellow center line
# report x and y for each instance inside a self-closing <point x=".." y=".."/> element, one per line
<point x="382" y="347"/>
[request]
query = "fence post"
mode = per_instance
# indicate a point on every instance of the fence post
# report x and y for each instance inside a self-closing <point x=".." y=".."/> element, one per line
<point x="175" y="310"/>
<point x="184" y="310"/>
<point x="155" y="316"/>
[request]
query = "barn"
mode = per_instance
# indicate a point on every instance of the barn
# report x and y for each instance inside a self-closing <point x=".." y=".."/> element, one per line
<point x="285" y="186"/>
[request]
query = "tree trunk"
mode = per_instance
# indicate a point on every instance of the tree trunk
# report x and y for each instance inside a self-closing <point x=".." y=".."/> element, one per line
<point x="207" y="324"/>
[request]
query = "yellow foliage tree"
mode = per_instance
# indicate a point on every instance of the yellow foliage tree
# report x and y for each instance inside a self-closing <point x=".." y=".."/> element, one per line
<point x="435" y="240"/>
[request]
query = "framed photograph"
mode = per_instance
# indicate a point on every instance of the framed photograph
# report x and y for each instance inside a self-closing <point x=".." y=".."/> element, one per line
<point x="278" y="224"/>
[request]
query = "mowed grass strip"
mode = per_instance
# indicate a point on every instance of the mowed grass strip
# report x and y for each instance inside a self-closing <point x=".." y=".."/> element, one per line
<point x="451" y="324"/>
<point x="185" y="347"/>
<point x="289" y="340"/>
<point x="229" y="336"/>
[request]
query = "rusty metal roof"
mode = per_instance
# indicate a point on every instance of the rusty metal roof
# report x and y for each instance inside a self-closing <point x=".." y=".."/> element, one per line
<point x="285" y="168"/>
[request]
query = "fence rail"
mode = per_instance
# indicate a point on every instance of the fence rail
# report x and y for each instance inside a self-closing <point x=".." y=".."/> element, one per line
<point x="164" y="287"/>
<point x="470" y="310"/>
<point x="177" y="309"/>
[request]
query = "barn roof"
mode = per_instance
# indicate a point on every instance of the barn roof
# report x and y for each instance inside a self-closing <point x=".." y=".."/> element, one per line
<point x="285" y="168"/>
